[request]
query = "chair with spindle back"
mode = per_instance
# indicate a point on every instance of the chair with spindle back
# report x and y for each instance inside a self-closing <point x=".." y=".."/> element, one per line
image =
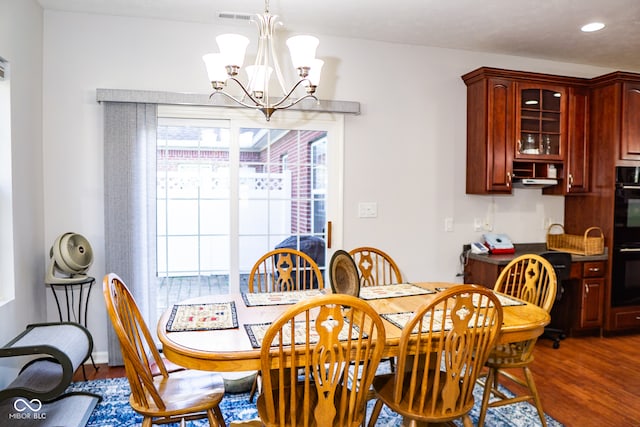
<point x="376" y="267"/>
<point x="160" y="397"/>
<point x="283" y="270"/>
<point x="318" y="360"/>
<point x="443" y="347"/>
<point x="530" y="278"/>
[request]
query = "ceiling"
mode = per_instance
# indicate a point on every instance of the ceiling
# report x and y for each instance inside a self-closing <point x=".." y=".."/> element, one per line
<point x="548" y="29"/>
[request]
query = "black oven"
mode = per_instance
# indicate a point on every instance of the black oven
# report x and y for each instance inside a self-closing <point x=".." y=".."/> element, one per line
<point x="625" y="277"/>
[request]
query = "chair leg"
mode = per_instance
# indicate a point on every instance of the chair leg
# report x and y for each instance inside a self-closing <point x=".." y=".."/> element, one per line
<point x="375" y="413"/>
<point x="252" y="393"/>
<point x="489" y="381"/>
<point x="534" y="393"/>
<point x="555" y="335"/>
<point x="255" y="387"/>
<point x="215" y="417"/>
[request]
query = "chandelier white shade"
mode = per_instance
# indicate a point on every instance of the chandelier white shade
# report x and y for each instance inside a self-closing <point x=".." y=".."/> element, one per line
<point x="224" y="67"/>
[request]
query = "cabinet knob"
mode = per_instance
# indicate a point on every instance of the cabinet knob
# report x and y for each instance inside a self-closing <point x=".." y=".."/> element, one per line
<point x="594" y="269"/>
<point x="508" y="179"/>
<point x="570" y="181"/>
<point x="586" y="288"/>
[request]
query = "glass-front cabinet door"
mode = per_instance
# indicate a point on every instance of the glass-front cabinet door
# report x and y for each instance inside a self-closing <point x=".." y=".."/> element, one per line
<point x="541" y="118"/>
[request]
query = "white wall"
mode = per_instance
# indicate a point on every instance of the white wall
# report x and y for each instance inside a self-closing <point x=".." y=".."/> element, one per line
<point x="406" y="151"/>
<point x="21" y="45"/>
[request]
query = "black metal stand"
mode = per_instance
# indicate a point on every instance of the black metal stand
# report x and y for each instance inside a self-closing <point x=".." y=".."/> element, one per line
<point x="71" y="292"/>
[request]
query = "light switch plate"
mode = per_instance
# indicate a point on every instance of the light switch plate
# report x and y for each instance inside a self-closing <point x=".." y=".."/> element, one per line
<point x="367" y="209"/>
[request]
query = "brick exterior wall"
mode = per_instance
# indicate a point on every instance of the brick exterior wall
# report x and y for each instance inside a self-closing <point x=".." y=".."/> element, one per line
<point x="297" y="146"/>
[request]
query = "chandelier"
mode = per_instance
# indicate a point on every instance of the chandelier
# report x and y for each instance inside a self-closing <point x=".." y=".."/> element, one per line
<point x="223" y="67"/>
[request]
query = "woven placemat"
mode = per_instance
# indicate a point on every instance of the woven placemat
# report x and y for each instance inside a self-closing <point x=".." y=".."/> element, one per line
<point x="278" y="298"/>
<point x="256" y="332"/>
<point x="203" y="317"/>
<point x="392" y="291"/>
<point x="505" y="300"/>
<point x="400" y="320"/>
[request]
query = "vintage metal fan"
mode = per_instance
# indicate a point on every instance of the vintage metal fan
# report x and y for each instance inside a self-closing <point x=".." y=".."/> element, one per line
<point x="71" y="256"/>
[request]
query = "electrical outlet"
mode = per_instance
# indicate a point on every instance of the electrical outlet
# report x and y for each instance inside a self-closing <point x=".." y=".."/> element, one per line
<point x="477" y="224"/>
<point x="448" y="224"/>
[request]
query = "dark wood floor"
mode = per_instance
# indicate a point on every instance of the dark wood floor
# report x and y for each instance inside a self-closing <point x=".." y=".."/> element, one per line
<point x="588" y="381"/>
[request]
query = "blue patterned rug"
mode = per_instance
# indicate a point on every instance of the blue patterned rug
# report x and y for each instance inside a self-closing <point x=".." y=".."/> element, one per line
<point x="114" y="410"/>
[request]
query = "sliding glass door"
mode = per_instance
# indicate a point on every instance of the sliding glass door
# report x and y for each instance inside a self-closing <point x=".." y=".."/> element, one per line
<point x="229" y="190"/>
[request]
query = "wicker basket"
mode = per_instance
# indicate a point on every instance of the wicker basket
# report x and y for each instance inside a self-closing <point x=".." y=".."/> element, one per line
<point x="580" y="245"/>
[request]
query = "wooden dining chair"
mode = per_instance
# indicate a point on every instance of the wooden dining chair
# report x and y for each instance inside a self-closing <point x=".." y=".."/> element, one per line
<point x="343" y="274"/>
<point x="322" y="379"/>
<point x="285" y="269"/>
<point x="376" y="267"/>
<point x="164" y="397"/>
<point x="530" y="278"/>
<point x="443" y="347"/>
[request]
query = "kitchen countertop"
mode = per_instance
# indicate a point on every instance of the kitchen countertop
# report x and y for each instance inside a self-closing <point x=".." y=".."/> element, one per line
<point x="531" y="248"/>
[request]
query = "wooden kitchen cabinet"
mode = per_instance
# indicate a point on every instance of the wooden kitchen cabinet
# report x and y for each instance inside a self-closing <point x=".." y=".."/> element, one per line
<point x="598" y="129"/>
<point x="626" y="318"/>
<point x="490" y="113"/>
<point x="479" y="272"/>
<point x="541" y="117"/>
<point x="580" y="309"/>
<point x="519" y="126"/>
<point x="576" y="162"/>
<point x="630" y="141"/>
<point x="617" y="98"/>
<point x="614" y="132"/>
<point x="592" y="284"/>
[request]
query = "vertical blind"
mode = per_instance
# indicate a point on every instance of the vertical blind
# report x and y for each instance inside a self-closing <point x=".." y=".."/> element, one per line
<point x="3" y="66"/>
<point x="129" y="200"/>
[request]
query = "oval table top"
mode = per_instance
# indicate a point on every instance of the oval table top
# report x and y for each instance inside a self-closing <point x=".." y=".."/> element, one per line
<point x="231" y="350"/>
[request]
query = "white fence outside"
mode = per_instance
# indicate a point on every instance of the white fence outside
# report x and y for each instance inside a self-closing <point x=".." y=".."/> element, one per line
<point x="194" y="223"/>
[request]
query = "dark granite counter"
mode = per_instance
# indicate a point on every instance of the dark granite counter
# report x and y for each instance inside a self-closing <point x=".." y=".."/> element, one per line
<point x="532" y="248"/>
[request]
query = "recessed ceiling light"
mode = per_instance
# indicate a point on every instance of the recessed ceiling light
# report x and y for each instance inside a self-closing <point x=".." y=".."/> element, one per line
<point x="592" y="26"/>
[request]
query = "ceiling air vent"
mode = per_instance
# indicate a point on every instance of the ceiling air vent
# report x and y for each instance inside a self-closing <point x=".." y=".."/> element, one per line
<point x="235" y="16"/>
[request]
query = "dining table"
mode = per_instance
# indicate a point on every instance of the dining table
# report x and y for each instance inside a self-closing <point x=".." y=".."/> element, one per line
<point x="218" y="332"/>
